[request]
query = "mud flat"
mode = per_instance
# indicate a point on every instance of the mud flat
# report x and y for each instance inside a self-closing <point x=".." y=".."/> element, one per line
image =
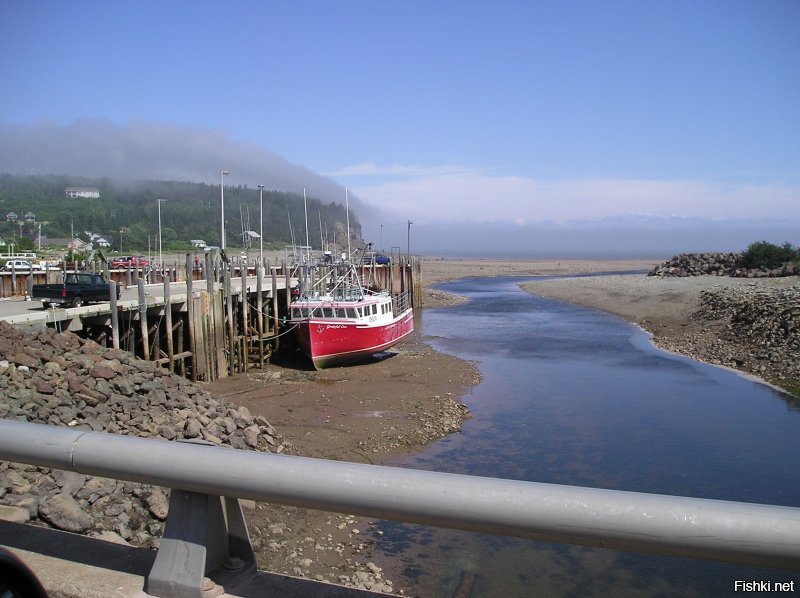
<point x="438" y="270"/>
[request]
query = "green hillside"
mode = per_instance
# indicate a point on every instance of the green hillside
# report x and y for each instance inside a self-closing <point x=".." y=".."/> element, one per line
<point x="126" y="214"/>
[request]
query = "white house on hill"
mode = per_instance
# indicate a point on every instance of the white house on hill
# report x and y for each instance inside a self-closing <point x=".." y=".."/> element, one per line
<point x="84" y="192"/>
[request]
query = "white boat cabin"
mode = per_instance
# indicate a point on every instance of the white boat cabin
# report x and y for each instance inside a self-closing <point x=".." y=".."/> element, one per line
<point x="377" y="308"/>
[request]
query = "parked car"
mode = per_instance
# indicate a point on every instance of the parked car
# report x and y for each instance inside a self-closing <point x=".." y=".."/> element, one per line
<point x="371" y="257"/>
<point x="77" y="289"/>
<point x="18" y="265"/>
<point x="129" y="261"/>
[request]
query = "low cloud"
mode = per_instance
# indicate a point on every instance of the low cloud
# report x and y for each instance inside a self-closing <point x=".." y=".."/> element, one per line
<point x="472" y="212"/>
<point x="372" y="170"/>
<point x="474" y="196"/>
<point x="451" y="209"/>
<point x="142" y="150"/>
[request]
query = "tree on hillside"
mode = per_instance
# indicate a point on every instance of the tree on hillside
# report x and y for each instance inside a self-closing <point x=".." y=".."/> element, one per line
<point x="767" y="255"/>
<point x="191" y="211"/>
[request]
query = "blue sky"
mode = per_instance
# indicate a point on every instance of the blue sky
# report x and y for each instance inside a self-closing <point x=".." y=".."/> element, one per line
<point x="526" y="114"/>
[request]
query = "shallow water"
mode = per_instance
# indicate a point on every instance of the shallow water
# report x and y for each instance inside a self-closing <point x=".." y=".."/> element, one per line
<point x="575" y="396"/>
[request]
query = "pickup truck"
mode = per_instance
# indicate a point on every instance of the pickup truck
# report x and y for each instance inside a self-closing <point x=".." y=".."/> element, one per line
<point x="77" y="289"/>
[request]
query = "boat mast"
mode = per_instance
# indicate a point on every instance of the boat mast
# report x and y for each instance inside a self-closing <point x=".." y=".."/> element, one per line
<point x="291" y="233"/>
<point x="347" y="209"/>
<point x="321" y="239"/>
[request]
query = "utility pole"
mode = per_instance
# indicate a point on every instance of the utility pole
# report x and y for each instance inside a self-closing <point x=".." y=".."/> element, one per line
<point x="261" y="227"/>
<point x="409" y="241"/>
<point x="222" y="174"/>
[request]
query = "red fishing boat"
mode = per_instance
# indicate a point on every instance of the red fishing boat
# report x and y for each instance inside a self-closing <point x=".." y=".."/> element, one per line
<point x="338" y="321"/>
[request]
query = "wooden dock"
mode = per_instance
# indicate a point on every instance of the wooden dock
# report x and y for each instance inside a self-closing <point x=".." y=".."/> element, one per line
<point x="205" y="321"/>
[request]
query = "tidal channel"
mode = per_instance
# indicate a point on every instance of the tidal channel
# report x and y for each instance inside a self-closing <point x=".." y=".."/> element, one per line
<point x="575" y="396"/>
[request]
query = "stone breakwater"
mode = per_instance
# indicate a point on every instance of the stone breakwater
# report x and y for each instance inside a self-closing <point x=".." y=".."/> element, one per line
<point x="718" y="264"/>
<point x="750" y="327"/>
<point x="60" y="379"/>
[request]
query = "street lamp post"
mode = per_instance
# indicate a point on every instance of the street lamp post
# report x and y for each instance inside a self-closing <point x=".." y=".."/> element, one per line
<point x="261" y="229"/>
<point x="409" y="241"/>
<point x="222" y="174"/>
<point x="160" y="255"/>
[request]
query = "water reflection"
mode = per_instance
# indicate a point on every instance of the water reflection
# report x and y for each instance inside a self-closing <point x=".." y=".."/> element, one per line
<point x="575" y="396"/>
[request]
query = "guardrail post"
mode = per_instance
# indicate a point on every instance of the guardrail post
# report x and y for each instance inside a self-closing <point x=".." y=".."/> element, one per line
<point x="205" y="537"/>
<point x="205" y="543"/>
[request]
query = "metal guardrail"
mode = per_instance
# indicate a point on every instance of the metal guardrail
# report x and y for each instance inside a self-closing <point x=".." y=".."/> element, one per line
<point x="753" y="534"/>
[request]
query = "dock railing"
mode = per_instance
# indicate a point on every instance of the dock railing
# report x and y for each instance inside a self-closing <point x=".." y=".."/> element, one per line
<point x="205" y="534"/>
<point x="401" y="302"/>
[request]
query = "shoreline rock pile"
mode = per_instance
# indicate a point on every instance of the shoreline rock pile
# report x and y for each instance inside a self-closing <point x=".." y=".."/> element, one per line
<point x="769" y="320"/>
<point x="718" y="264"/>
<point x="751" y="327"/>
<point x="59" y="379"/>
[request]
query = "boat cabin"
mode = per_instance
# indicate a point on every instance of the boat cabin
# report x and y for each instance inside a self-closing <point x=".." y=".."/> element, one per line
<point x="369" y="310"/>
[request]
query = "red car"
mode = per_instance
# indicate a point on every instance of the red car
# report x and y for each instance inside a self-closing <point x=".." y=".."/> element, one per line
<point x="129" y="261"/>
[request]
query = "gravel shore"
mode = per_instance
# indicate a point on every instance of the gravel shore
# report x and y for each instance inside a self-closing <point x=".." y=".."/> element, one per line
<point x="684" y="316"/>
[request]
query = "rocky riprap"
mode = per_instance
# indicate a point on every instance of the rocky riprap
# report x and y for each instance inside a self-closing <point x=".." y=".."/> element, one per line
<point x="718" y="264"/>
<point x="59" y="379"/>
<point x="750" y="327"/>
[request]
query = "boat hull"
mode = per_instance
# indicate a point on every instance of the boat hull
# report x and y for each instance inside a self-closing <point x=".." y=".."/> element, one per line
<point x="331" y="343"/>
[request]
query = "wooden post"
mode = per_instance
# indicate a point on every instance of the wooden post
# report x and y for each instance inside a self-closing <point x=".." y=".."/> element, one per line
<point x="213" y="325"/>
<point x="155" y="348"/>
<point x="260" y="310"/>
<point x="229" y="318"/>
<point x="288" y="284"/>
<point x="209" y="274"/>
<point x="143" y="321"/>
<point x="181" y="356"/>
<point x="217" y="325"/>
<point x="112" y="287"/>
<point x="245" y="320"/>
<point x="275" y="327"/>
<point x="418" y="281"/>
<point x="190" y="316"/>
<point x="168" y="315"/>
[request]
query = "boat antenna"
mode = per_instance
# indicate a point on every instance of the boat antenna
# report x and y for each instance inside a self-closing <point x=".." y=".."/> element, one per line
<point x="347" y="209"/>
<point x="291" y="232"/>
<point x="305" y="209"/>
<point x="321" y="239"/>
<point x="241" y="220"/>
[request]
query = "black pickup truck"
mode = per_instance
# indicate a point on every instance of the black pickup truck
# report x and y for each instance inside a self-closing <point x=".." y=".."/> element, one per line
<point x="77" y="289"/>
